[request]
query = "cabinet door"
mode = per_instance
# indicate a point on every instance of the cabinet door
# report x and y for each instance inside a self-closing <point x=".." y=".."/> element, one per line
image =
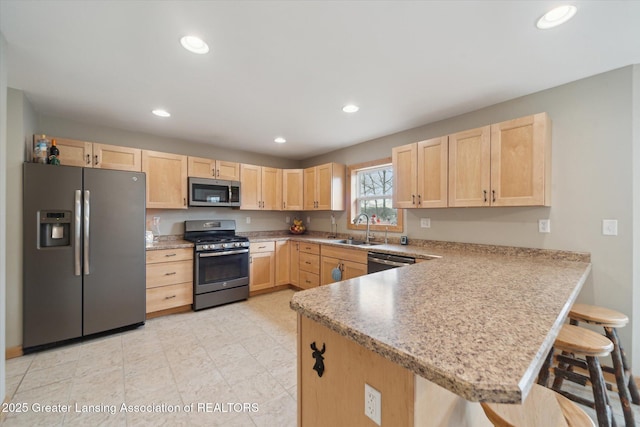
<point x="309" y="189"/>
<point x="520" y="162"/>
<point x="200" y="167"/>
<point x="271" y="188"/>
<point x="324" y="187"/>
<point x="261" y="271"/>
<point x="433" y="159"/>
<point x="469" y="167"/>
<point x="292" y="189"/>
<point x="227" y="170"/>
<point x="294" y="259"/>
<point x="283" y="256"/>
<point x="327" y="264"/>
<point x="353" y="269"/>
<point x="166" y="180"/>
<point x="116" y="157"/>
<point x="251" y="180"/>
<point x="74" y="153"/>
<point x="404" y="176"/>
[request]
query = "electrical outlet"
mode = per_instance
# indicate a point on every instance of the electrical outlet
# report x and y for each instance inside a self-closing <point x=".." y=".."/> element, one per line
<point x="610" y="227"/>
<point x="372" y="404"/>
<point x="287" y="219"/>
<point x="248" y="220"/>
<point x="544" y="226"/>
<point x="308" y="220"/>
<point x="333" y="219"/>
<point x="425" y="222"/>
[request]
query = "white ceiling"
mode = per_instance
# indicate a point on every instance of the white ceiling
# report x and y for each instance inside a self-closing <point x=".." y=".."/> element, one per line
<point x="286" y="68"/>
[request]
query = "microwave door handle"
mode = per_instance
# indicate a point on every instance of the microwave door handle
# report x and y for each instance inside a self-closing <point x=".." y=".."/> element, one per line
<point x="229" y="193"/>
<point x="87" y="217"/>
<point x="77" y="230"/>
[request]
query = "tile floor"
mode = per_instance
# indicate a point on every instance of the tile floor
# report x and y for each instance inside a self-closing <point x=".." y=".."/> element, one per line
<point x="233" y="365"/>
<point x="238" y="362"/>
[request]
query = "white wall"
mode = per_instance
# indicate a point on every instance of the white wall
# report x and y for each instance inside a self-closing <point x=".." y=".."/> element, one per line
<point x="3" y="205"/>
<point x="592" y="180"/>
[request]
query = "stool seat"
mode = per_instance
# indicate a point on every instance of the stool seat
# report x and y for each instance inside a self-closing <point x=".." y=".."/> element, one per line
<point x="598" y="316"/>
<point x="575" y="339"/>
<point x="542" y="408"/>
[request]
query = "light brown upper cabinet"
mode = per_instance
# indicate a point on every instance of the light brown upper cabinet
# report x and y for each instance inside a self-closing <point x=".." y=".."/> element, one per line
<point x="292" y="189"/>
<point x="324" y="187"/>
<point x="261" y="187"/>
<point x="166" y="180"/>
<point x="505" y="164"/>
<point x="420" y="174"/>
<point x="199" y="167"/>
<point x="93" y="155"/>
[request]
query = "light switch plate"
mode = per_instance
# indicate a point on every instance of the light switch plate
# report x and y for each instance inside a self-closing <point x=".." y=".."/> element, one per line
<point x="544" y="226"/>
<point x="425" y="222"/>
<point x="248" y="220"/>
<point x="610" y="227"/>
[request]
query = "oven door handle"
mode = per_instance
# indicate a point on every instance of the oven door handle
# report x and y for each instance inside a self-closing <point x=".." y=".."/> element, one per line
<point x="210" y="254"/>
<point x="387" y="262"/>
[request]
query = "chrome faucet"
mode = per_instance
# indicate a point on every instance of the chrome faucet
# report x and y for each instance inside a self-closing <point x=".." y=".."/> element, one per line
<point x="357" y="221"/>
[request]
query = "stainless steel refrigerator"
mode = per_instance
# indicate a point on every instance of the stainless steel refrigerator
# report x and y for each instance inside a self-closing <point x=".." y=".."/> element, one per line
<point x="84" y="252"/>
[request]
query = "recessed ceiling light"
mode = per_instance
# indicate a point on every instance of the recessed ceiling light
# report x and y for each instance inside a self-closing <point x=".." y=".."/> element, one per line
<point x="557" y="16"/>
<point x="161" y="113"/>
<point x="350" y="108"/>
<point x="280" y="140"/>
<point x="194" y="44"/>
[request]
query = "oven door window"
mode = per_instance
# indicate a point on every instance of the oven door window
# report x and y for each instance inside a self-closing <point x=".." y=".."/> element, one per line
<point x="215" y="267"/>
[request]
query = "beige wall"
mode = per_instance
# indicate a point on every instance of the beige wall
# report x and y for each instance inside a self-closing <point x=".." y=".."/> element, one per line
<point x="592" y="181"/>
<point x="635" y="113"/>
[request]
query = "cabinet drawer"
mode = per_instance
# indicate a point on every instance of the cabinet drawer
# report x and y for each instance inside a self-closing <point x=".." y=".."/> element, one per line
<point x="164" y="255"/>
<point x="262" y="247"/>
<point x="309" y="280"/>
<point x="345" y="254"/>
<point x="310" y="248"/>
<point x="169" y="273"/>
<point x="170" y="296"/>
<point x="310" y="263"/>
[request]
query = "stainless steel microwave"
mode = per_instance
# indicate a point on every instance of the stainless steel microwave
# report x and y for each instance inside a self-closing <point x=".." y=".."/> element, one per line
<point x="213" y="192"/>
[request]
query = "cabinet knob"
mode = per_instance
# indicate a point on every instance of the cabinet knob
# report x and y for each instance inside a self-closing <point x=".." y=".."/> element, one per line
<point x="184" y="201"/>
<point x="88" y="159"/>
<point x="413" y="199"/>
<point x="169" y="297"/>
<point x="485" y="195"/>
<point x="493" y="193"/>
<point x="170" y="255"/>
<point x="95" y="161"/>
<point x="170" y="274"/>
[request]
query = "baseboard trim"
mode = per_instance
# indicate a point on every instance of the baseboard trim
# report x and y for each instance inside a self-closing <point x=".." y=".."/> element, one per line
<point x="13" y="352"/>
<point x="175" y="310"/>
<point x="269" y="290"/>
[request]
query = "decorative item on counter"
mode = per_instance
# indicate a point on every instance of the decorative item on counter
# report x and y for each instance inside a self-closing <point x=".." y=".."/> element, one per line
<point x="375" y="219"/>
<point x="40" y="148"/>
<point x="297" y="227"/>
<point x="148" y="237"/>
<point x="54" y="154"/>
<point x="155" y="227"/>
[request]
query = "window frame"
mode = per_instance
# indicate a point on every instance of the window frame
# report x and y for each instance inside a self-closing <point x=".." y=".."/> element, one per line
<point x="352" y="173"/>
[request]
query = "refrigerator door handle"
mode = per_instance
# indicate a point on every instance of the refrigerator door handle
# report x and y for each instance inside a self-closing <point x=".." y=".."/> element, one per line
<point x="77" y="233"/>
<point x="87" y="216"/>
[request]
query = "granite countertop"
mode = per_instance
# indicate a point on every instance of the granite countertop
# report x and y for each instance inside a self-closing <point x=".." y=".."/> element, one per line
<point x="475" y="322"/>
<point x="169" y="244"/>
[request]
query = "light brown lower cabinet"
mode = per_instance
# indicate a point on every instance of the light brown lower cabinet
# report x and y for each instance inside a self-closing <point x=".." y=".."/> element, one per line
<point x="351" y="263"/>
<point x="283" y="273"/>
<point x="262" y="266"/>
<point x="169" y="279"/>
<point x="309" y="265"/>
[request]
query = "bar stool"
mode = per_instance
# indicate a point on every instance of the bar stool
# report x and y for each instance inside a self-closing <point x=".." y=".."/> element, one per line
<point x="576" y="341"/>
<point x="610" y="320"/>
<point x="542" y="408"/>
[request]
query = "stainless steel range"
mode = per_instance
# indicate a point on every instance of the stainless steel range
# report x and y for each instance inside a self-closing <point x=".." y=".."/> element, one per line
<point x="221" y="262"/>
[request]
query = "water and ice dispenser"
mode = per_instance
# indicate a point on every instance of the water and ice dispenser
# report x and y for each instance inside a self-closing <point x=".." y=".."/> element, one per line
<point x="55" y="228"/>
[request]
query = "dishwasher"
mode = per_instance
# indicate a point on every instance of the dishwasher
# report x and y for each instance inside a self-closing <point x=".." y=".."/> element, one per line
<point x="377" y="261"/>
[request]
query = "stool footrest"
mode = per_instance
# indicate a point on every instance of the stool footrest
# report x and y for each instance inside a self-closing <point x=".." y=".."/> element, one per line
<point x="577" y="399"/>
<point x="571" y="376"/>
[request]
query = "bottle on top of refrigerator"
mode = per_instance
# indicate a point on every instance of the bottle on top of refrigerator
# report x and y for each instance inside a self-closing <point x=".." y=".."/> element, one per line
<point x="40" y="150"/>
<point x="54" y="154"/>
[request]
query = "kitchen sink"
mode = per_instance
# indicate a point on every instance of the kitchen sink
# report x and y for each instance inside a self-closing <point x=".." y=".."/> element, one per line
<point x="356" y="242"/>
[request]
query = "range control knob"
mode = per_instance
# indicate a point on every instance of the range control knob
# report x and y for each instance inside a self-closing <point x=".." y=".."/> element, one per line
<point x="225" y="245"/>
<point x="237" y="244"/>
<point x="204" y="247"/>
